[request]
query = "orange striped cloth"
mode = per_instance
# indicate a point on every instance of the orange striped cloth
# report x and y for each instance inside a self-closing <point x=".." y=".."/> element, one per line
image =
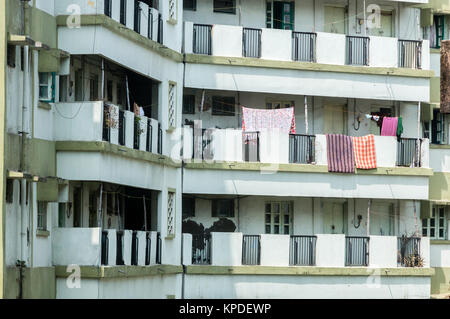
<point x="364" y="149"/>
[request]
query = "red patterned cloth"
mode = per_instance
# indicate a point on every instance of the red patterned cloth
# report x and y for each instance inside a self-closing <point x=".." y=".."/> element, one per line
<point x="364" y="148"/>
<point x="255" y="120"/>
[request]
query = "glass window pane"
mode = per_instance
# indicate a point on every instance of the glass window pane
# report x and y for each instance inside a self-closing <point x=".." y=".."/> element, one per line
<point x="286" y="230"/>
<point x="267" y="229"/>
<point x="286" y="219"/>
<point x="424" y="232"/>
<point x="432" y="232"/>
<point x="267" y="208"/>
<point x="432" y="222"/>
<point x="276" y="208"/>
<point x="268" y="218"/>
<point x="276" y="229"/>
<point x="285" y="208"/>
<point x="276" y="219"/>
<point x="441" y="233"/>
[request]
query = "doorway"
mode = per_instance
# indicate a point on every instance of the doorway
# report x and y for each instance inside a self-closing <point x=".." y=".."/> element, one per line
<point x="335" y="19"/>
<point x="280" y="15"/>
<point x="382" y="219"/>
<point x="334" y="218"/>
<point x="386" y="28"/>
<point x="334" y="119"/>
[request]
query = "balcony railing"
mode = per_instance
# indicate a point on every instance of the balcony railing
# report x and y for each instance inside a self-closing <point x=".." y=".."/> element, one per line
<point x="148" y="248"/>
<point x="301" y="148"/>
<point x="106" y="122"/>
<point x="409" y="251"/>
<point x="201" y="249"/>
<point x="158" y="248"/>
<point x="410" y="54"/>
<point x="250" y="143"/>
<point x="160" y="29"/>
<point x="160" y="142"/>
<point x="202" y="144"/>
<point x="251" y="250"/>
<point x="357" y="50"/>
<point x="202" y="39"/>
<point x="251" y="43"/>
<point x="137" y="133"/>
<point x="150" y="24"/>
<point x="149" y="142"/>
<point x="302" y="250"/>
<point x="356" y="251"/>
<point x="137" y="16"/>
<point x="119" y="250"/>
<point x="105" y="245"/>
<point x="409" y="152"/>
<point x="134" y="249"/>
<point x="304" y="46"/>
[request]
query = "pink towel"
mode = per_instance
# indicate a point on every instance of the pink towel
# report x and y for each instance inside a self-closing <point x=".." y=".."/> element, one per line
<point x="389" y="126"/>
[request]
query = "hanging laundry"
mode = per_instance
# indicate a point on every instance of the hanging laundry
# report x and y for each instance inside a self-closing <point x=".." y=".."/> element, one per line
<point x="399" y="128"/>
<point x="364" y="148"/>
<point x="255" y="120"/>
<point x="389" y="127"/>
<point x="340" y="154"/>
<point x="136" y="109"/>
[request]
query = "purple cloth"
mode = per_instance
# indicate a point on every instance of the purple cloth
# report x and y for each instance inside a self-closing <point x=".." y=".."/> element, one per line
<point x="389" y="127"/>
<point x="340" y="153"/>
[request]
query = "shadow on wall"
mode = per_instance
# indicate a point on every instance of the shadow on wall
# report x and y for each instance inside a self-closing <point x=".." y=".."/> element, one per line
<point x="192" y="227"/>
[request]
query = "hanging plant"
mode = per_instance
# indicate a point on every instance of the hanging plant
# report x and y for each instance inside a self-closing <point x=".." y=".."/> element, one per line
<point x="137" y="126"/>
<point x="110" y="116"/>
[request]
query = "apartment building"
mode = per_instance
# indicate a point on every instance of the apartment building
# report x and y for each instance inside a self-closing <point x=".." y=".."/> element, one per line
<point x="434" y="22"/>
<point x="131" y="170"/>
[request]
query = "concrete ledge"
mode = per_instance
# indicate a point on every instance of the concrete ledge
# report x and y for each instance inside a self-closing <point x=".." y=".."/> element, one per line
<point x="114" y="26"/>
<point x="439" y="242"/>
<point x="308" y="271"/>
<point x="440" y="146"/>
<point x="108" y="148"/>
<point x="306" y="168"/>
<point x="306" y="66"/>
<point x="120" y="271"/>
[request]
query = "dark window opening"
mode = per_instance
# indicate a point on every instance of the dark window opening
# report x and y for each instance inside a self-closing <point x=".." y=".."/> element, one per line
<point x="225" y="6"/>
<point x="123" y="12"/>
<point x="223" y="105"/>
<point x="223" y="208"/>
<point x="9" y="191"/>
<point x="190" y="5"/>
<point x="11" y="56"/>
<point x="188" y="207"/>
<point x="189" y="104"/>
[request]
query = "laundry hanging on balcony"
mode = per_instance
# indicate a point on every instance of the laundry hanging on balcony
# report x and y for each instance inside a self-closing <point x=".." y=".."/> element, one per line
<point x="364" y="148"/>
<point x="389" y="126"/>
<point x="256" y="120"/>
<point x="340" y="156"/>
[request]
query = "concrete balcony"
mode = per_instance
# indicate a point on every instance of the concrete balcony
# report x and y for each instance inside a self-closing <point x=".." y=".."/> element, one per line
<point x="321" y="250"/>
<point x="94" y="247"/>
<point x="321" y="64"/>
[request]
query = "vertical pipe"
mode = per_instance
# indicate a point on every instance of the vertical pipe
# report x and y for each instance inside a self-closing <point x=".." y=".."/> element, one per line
<point x="103" y="80"/>
<point x="368" y="217"/>
<point x="100" y="208"/>
<point x="306" y="114"/>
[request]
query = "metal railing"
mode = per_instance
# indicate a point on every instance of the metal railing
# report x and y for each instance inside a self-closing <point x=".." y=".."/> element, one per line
<point x="251" y="249"/>
<point x="251" y="39"/>
<point x="123" y="12"/>
<point x="160" y="145"/>
<point x="137" y="16"/>
<point x="105" y="246"/>
<point x="149" y="143"/>
<point x="134" y="248"/>
<point x="148" y="248"/>
<point x="119" y="251"/>
<point x="150" y="24"/>
<point x="302" y="148"/>
<point x="137" y="133"/>
<point x="121" y="127"/>
<point x="158" y="248"/>
<point x="250" y="144"/>
<point x="201" y="249"/>
<point x="202" y="144"/>
<point x="108" y="8"/>
<point x="106" y="135"/>
<point x="202" y="39"/>
<point x="408" y="251"/>
<point x="410" y="54"/>
<point x="357" y="50"/>
<point x="160" y="29"/>
<point x="304" y="46"/>
<point x="356" y="251"/>
<point x="408" y="152"/>
<point x="302" y="250"/>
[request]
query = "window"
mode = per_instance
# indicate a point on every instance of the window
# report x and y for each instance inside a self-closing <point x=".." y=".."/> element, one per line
<point x="93" y="209"/>
<point x="278" y="218"/>
<point x="171" y="214"/>
<point x="11" y="56"/>
<point x="189" y="104"/>
<point x="172" y="105"/>
<point x="77" y="206"/>
<point x="188" y="207"/>
<point x="436" y="226"/>
<point x="47" y="87"/>
<point x="223" y="105"/>
<point x="439" y="24"/>
<point x="190" y="5"/>
<point x="225" y="6"/>
<point x="62" y="210"/>
<point x="437" y="127"/>
<point x="93" y="87"/>
<point x="9" y="191"/>
<point x="42" y="215"/>
<point x="222" y="208"/>
<point x="109" y="89"/>
<point x="63" y="91"/>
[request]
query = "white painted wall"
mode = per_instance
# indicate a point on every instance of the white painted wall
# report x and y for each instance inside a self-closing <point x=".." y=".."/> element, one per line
<point x="226" y="249"/>
<point x="274" y="250"/>
<point x="330" y="250"/>
<point x="440" y="255"/>
<point x="383" y="251"/>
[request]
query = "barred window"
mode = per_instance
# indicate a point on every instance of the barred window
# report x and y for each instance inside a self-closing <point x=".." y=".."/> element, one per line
<point x="223" y="105"/>
<point x="190" y="5"/>
<point x="172" y="105"/>
<point x="42" y="215"/>
<point x="173" y="10"/>
<point x="225" y="6"/>
<point x="435" y="227"/>
<point x="189" y="104"/>
<point x="222" y="208"/>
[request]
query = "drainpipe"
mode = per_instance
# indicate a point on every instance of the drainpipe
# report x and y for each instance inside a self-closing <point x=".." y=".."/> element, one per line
<point x="418" y="135"/>
<point x="306" y="114"/>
